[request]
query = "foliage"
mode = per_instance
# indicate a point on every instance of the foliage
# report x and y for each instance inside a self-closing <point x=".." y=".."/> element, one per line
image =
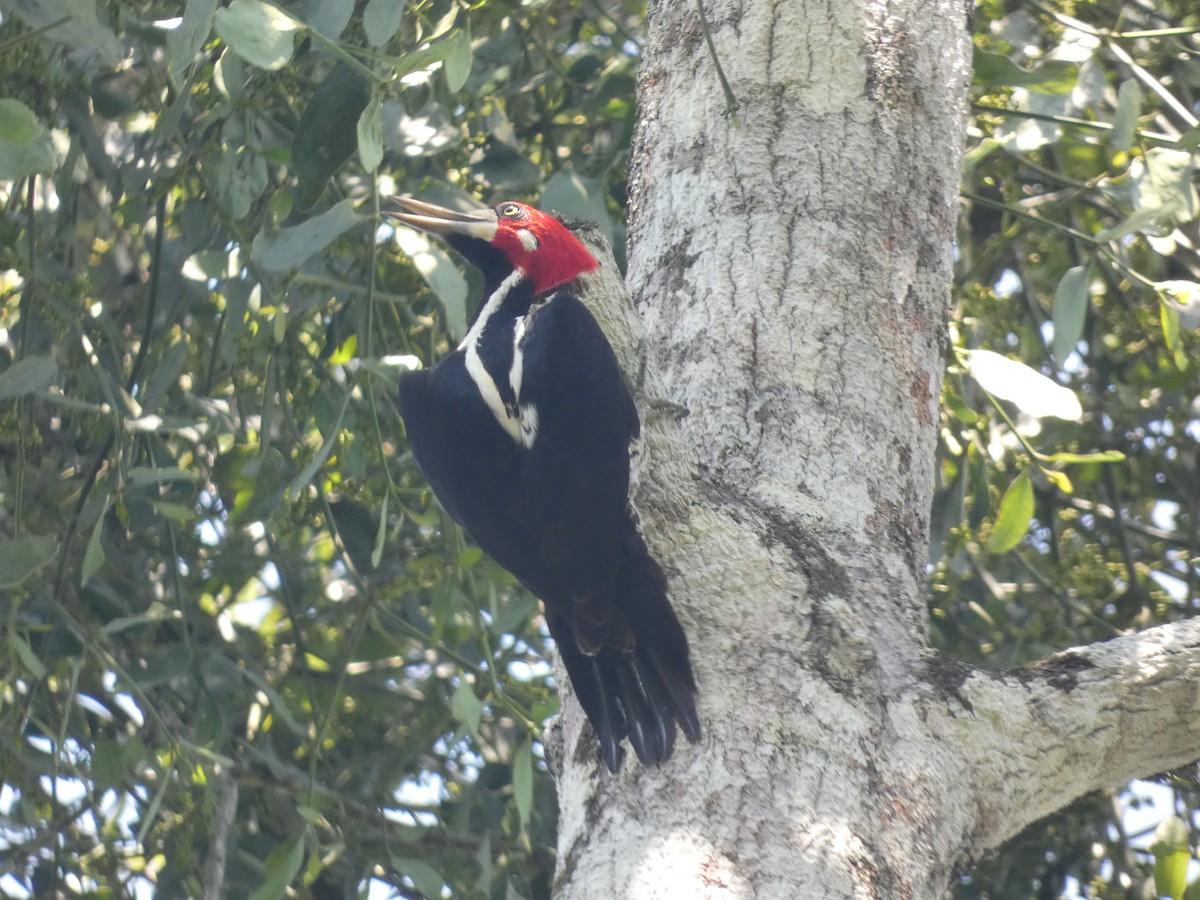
<point x="1077" y="257"/>
<point x="243" y="649"/>
<point x="234" y="617"/>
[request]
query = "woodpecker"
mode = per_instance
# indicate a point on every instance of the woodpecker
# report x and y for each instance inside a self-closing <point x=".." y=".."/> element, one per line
<point x="524" y="432"/>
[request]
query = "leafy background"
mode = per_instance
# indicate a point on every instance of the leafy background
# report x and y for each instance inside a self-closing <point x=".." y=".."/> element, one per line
<point x="245" y="654"/>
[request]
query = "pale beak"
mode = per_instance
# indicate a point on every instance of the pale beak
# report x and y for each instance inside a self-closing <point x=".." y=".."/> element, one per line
<point x="429" y="217"/>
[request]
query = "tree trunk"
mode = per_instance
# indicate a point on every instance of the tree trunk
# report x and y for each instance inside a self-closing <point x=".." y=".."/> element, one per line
<point x="792" y="267"/>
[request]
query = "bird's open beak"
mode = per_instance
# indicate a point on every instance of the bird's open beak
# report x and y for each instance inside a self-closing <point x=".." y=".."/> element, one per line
<point x="434" y="219"/>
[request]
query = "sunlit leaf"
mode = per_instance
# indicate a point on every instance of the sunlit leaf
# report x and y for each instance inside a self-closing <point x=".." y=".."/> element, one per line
<point x="1103" y="456"/>
<point x="1184" y="298"/>
<point x="330" y="17"/>
<point x="184" y="42"/>
<point x="1032" y="392"/>
<point x="370" y="135"/>
<point x="465" y="706"/>
<point x="1125" y="119"/>
<point x="426" y="134"/>
<point x="1070" y="309"/>
<point x="958" y="407"/>
<point x="997" y="70"/>
<point x="1013" y="516"/>
<point x="1161" y="191"/>
<point x="258" y="32"/>
<point x="441" y="274"/>
<point x="1172" y="855"/>
<point x="289" y="248"/>
<point x="1060" y="481"/>
<point x="380" y="19"/>
<point x="457" y="65"/>
<point x="1169" y="320"/>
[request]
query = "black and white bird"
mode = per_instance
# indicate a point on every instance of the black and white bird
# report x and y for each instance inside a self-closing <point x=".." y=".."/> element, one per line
<point x="524" y="432"/>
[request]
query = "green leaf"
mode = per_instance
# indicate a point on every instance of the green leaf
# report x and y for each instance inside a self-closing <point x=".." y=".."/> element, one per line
<point x="21" y="556"/>
<point x="161" y="665"/>
<point x="25" y="654"/>
<point x="1012" y="519"/>
<point x="34" y="158"/>
<point x="140" y="476"/>
<point x="306" y="474"/>
<point x="241" y="179"/>
<point x="522" y="781"/>
<point x="261" y="34"/>
<point x="18" y="123"/>
<point x="1160" y="190"/>
<point x="958" y="407"/>
<point x="457" y="65"/>
<point x="74" y="25"/>
<point x="1183" y="297"/>
<point x="184" y="42"/>
<point x="1060" y="481"/>
<point x="279" y="868"/>
<point x="1168" y="318"/>
<point x="1125" y="119"/>
<point x="330" y="17"/>
<point x="380" y="20"/>
<point x="1070" y="309"/>
<point x="381" y="533"/>
<point x="370" y="134"/>
<point x="327" y="134"/>
<point x="425" y="878"/>
<point x="93" y="557"/>
<point x="1034" y="393"/>
<point x="1172" y="854"/>
<point x="26" y="375"/>
<point x="108" y="764"/>
<point x="465" y="706"/>
<point x="997" y="70"/>
<point x="441" y="274"/>
<point x="289" y="248"/>
<point x="1104" y="456"/>
<point x="251" y="483"/>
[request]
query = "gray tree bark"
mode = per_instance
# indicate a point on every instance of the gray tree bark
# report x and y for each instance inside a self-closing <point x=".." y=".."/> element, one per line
<point x="792" y="271"/>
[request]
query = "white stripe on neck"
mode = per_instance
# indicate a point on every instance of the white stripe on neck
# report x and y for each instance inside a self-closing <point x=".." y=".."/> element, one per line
<point x="474" y="364"/>
<point x="490" y="308"/>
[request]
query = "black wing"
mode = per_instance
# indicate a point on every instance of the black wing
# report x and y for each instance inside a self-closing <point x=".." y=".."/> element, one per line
<point x="472" y="464"/>
<point x="575" y="470"/>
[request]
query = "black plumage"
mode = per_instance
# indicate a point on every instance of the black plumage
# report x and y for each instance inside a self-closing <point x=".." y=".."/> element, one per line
<point x="524" y="434"/>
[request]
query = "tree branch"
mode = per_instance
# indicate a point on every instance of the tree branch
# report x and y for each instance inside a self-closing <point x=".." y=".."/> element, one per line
<point x="1085" y="719"/>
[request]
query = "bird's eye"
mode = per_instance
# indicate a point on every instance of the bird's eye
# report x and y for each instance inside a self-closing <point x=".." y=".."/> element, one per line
<point x="510" y="211"/>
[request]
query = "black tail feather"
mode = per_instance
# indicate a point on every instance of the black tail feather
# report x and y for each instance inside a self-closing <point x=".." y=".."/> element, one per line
<point x="639" y="693"/>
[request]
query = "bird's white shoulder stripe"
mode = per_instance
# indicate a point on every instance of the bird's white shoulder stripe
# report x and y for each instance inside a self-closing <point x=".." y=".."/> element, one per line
<point x="517" y="373"/>
<point x="509" y="420"/>
<point x="490" y="308"/>
<point x="491" y="395"/>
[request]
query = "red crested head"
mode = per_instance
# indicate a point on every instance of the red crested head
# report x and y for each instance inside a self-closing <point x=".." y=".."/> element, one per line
<point x="540" y="246"/>
<point x="533" y="242"/>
